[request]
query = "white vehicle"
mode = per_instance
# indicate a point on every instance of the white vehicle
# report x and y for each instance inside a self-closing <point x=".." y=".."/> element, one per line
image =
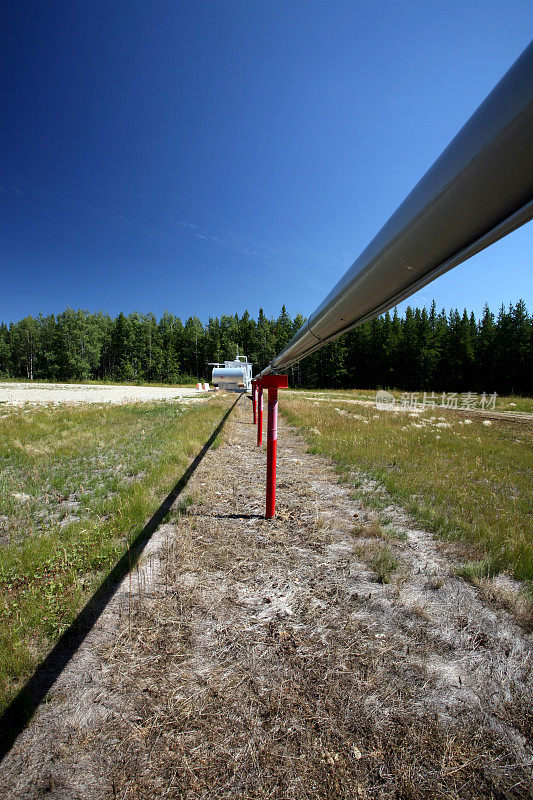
<point x="233" y="376"/>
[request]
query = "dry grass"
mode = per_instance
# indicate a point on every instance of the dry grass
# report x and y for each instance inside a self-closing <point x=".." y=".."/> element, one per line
<point x="275" y="705"/>
<point x="500" y="590"/>
<point x="286" y="715"/>
<point x="370" y="530"/>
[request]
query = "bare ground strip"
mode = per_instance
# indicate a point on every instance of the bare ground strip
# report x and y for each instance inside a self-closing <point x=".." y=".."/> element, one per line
<point x="254" y="659"/>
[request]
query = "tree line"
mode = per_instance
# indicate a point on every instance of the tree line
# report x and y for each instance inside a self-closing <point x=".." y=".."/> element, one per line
<point x="421" y="350"/>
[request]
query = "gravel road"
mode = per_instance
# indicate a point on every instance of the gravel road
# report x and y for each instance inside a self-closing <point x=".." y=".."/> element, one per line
<point x="17" y="394"/>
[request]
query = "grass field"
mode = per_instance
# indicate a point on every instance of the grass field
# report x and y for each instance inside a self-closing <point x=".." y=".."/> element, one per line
<point x="467" y="479"/>
<point x="512" y="403"/>
<point x="76" y="484"/>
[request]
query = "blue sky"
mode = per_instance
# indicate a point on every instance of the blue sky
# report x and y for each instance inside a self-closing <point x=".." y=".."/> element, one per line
<point x="212" y="157"/>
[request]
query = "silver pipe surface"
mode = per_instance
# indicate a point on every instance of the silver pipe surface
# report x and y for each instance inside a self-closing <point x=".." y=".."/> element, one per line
<point x="479" y="189"/>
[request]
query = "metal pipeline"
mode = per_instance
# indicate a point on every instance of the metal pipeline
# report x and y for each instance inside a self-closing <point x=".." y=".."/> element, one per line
<point x="479" y="189"/>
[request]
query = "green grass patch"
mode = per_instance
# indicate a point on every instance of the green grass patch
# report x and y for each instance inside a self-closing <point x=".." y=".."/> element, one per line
<point x="384" y="564"/>
<point x="216" y="444"/>
<point x="76" y="485"/>
<point x="472" y="571"/>
<point x="186" y="501"/>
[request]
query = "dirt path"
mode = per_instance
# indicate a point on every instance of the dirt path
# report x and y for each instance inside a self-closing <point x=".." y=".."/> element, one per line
<point x="265" y="660"/>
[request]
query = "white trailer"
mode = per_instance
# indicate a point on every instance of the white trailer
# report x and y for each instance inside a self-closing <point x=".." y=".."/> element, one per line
<point x="233" y="376"/>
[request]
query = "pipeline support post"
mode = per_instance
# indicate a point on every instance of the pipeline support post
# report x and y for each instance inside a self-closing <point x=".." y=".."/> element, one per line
<point x="272" y="383"/>
<point x="272" y="446"/>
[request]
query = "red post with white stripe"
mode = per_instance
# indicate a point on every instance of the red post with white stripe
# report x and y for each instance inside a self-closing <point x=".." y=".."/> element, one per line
<point x="272" y="447"/>
<point x="259" y="414"/>
<point x="272" y="383"/>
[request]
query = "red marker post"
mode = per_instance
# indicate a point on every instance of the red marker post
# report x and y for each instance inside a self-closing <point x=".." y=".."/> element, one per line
<point x="272" y="383"/>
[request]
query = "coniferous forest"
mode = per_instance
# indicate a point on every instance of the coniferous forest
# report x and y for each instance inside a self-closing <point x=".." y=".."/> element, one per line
<point x="421" y="350"/>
